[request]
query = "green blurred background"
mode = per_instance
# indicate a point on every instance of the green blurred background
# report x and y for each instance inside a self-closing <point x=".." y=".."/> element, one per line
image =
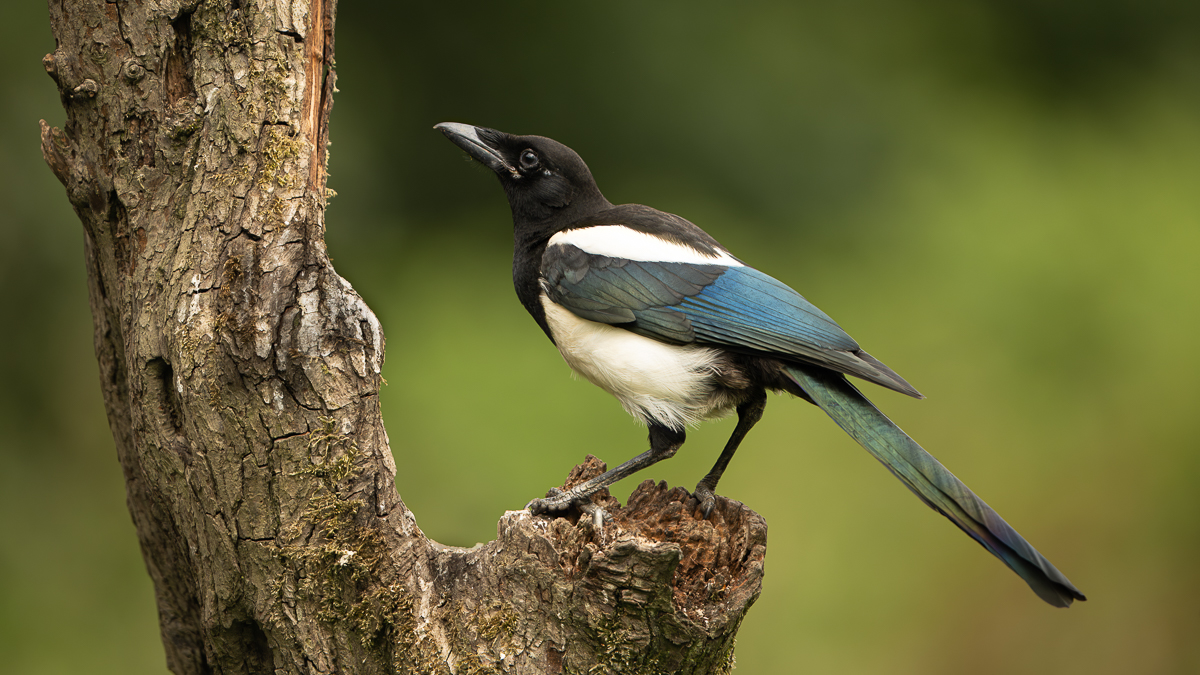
<point x="998" y="198"/>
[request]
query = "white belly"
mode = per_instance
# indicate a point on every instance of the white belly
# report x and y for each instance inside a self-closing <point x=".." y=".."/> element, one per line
<point x="670" y="384"/>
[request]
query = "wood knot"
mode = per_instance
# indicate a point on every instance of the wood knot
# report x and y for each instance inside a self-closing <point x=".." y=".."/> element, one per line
<point x="86" y="89"/>
<point x="133" y="70"/>
<point x="51" y="65"/>
<point x="55" y="148"/>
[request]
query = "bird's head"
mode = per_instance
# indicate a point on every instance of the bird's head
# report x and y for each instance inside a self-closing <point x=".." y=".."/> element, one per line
<point x="544" y="179"/>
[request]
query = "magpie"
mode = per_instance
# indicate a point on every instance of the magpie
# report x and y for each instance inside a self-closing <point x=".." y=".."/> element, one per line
<point x="650" y="308"/>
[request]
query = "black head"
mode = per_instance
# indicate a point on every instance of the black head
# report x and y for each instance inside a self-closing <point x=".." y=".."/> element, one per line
<point x="544" y="179"/>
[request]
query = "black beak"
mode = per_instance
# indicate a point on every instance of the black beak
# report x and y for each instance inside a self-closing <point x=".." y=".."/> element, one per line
<point x="471" y="139"/>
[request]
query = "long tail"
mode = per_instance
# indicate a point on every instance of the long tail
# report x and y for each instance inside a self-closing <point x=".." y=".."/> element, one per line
<point x="931" y="481"/>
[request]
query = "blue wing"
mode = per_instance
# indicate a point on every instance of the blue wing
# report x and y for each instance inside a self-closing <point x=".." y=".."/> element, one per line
<point x="738" y="308"/>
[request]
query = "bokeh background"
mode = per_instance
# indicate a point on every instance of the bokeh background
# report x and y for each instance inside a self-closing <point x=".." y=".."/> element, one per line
<point x="998" y="198"/>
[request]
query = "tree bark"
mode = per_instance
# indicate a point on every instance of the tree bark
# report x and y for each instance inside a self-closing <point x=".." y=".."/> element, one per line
<point x="241" y="375"/>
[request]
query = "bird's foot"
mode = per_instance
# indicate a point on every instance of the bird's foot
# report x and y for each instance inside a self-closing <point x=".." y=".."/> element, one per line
<point x="706" y="499"/>
<point x="557" y="501"/>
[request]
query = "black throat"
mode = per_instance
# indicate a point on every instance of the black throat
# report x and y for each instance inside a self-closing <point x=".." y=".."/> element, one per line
<point x="527" y="262"/>
<point x="529" y="243"/>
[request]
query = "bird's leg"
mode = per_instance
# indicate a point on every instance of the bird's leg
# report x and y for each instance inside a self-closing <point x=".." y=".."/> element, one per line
<point x="749" y="413"/>
<point x="664" y="442"/>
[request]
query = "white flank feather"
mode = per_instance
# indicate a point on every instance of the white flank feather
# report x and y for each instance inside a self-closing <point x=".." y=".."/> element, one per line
<point x="654" y="381"/>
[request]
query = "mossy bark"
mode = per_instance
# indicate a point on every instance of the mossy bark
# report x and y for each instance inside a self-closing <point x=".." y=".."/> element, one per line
<point x="241" y="378"/>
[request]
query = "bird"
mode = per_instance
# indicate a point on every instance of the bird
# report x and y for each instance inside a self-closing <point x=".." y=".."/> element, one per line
<point x="650" y="308"/>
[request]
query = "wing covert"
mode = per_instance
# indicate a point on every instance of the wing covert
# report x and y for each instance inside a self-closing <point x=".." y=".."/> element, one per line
<point x="736" y="307"/>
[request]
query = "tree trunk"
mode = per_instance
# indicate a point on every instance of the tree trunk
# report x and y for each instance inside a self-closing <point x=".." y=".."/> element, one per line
<point x="241" y="376"/>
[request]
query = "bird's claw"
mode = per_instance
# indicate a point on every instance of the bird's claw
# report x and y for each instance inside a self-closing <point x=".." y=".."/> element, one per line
<point x="598" y="515"/>
<point x="706" y="499"/>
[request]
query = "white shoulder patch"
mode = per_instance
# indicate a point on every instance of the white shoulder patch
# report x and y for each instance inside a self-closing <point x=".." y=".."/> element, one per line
<point x="618" y="241"/>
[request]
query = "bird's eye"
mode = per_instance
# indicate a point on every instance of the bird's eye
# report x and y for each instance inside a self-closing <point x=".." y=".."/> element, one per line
<point x="529" y="160"/>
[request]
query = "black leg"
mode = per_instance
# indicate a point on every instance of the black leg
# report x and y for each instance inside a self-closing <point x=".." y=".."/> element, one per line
<point x="664" y="442"/>
<point x="749" y="413"/>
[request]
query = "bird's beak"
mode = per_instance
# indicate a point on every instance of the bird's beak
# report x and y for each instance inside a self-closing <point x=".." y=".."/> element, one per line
<point x="468" y="138"/>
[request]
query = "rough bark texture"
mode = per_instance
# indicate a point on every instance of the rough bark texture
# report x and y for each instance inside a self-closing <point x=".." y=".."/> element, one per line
<point x="241" y="378"/>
